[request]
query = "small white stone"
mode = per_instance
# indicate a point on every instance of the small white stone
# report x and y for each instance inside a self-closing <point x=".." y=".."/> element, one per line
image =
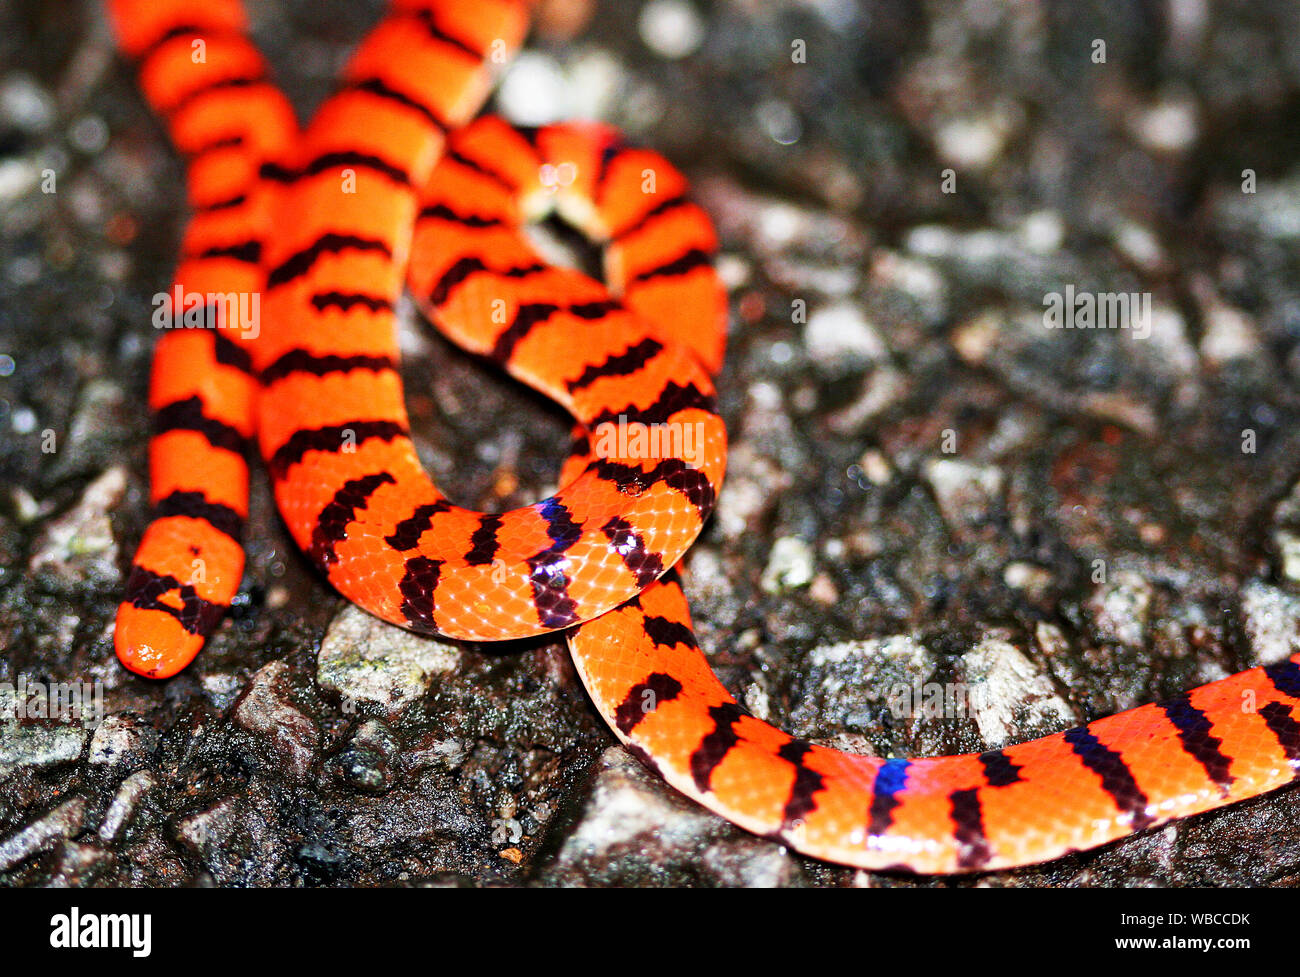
<point x="1169" y="333"/>
<point x="778" y="224"/>
<point x="533" y="91"/>
<point x="38" y="746"/>
<point x="366" y="660"/>
<point x="124" y="804"/>
<point x="17" y="177"/>
<point x="1026" y="577"/>
<point x="1043" y="231"/>
<point x="930" y="241"/>
<point x="823" y="590"/>
<point x="970" y="143"/>
<point x="1187" y="22"/>
<point x="790" y="565"/>
<point x="1120" y="609"/>
<point x="840" y="330"/>
<point x="976" y="338"/>
<point x="1168" y="126"/>
<point x="734" y="270"/>
<point x="966" y="491"/>
<point x="24" y="104"/>
<point x="671" y="28"/>
<point x="80" y="545"/>
<point x="25" y="506"/>
<point x="65" y="821"/>
<point x="918" y="279"/>
<point x="765" y="396"/>
<point x="222" y="688"/>
<point x="876" y="467"/>
<point x="595" y="79"/>
<point x="1229" y="335"/>
<point x="1008" y="691"/>
<point x="118" y="738"/>
<point x="1269" y="618"/>
<point x="901" y="652"/>
<point x="1139" y="244"/>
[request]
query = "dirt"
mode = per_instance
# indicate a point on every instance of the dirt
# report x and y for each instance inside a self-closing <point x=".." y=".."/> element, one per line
<point x="925" y="482"/>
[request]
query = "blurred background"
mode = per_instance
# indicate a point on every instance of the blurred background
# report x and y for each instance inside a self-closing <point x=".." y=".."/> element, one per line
<point x="925" y="482"/>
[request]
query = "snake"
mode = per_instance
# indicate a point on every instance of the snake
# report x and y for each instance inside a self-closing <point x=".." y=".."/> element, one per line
<point x="396" y="187"/>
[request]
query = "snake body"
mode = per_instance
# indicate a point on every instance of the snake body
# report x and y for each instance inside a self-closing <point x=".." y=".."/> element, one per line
<point x="393" y="187"/>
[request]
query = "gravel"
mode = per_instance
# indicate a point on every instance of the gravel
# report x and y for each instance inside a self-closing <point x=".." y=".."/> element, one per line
<point x="926" y="484"/>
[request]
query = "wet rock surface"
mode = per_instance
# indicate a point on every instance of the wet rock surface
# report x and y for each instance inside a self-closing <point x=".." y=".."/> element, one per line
<point x="926" y="484"/>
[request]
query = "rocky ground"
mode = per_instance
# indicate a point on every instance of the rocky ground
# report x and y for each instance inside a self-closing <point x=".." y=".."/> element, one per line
<point x="924" y="480"/>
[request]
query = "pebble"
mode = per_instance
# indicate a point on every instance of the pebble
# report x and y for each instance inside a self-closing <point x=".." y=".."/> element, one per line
<point x="89" y="134"/>
<point x="79" y="545"/>
<point x="245" y="839"/>
<point x="534" y="91"/>
<point x="1031" y="579"/>
<point x="1174" y="352"/>
<point x="1139" y="244"/>
<point x="882" y="387"/>
<point x="1043" y="232"/>
<point x="1168" y="126"/>
<point x="1288" y="545"/>
<point x="823" y="590"/>
<point x="971" y="143"/>
<point x="23" y="420"/>
<point x="222" y="688"/>
<point x="121" y="740"/>
<point x="65" y="821"/>
<point x="24" y="104"/>
<point x="918" y="280"/>
<point x="779" y="121"/>
<point x="1271" y="621"/>
<point x="18" y="177"/>
<point x="631" y="828"/>
<point x="1272" y="211"/>
<point x="1229" y="334"/>
<point x="39" y="746"/>
<point x="77" y="864"/>
<point x="967" y="492"/>
<point x="267" y="710"/>
<point x="366" y="761"/>
<point x="365" y="660"/>
<point x="1009" y="696"/>
<point x="595" y="81"/>
<point x="842" y="689"/>
<point x="753" y="482"/>
<point x="1121" y="607"/>
<point x="875" y="467"/>
<point x="97" y="423"/>
<point x="124" y="804"/>
<point x="790" y="565"/>
<point x="839" y="331"/>
<point x="211" y="827"/>
<point x="976" y="338"/>
<point x="671" y="28"/>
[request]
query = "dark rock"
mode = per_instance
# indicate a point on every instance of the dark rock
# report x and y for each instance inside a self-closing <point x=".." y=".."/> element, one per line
<point x="632" y="829"/>
<point x="1075" y="521"/>
<point x="267" y="710"/>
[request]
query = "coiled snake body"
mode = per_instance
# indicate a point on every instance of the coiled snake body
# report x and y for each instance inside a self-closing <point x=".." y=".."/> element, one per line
<point x="392" y="186"/>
